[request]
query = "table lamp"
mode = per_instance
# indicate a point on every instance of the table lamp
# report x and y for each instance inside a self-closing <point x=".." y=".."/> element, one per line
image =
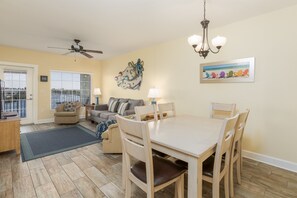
<point x="153" y="94"/>
<point x="97" y="93"/>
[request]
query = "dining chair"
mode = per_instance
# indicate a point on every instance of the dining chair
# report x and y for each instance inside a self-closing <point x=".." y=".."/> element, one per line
<point x="236" y="149"/>
<point x="142" y="111"/>
<point x="214" y="168"/>
<point x="221" y="111"/>
<point x="150" y="173"/>
<point x="168" y="108"/>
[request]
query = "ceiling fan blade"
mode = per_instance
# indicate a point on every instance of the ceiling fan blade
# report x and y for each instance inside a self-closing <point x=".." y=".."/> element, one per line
<point x="68" y="53"/>
<point x="93" y="51"/>
<point x="87" y="55"/>
<point x="59" y="48"/>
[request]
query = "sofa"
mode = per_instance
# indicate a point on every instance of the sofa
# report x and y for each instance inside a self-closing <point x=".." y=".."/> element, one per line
<point x="103" y="112"/>
<point x="67" y="113"/>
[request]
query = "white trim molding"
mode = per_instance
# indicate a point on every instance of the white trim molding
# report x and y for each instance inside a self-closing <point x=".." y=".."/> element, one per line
<point x="280" y="163"/>
<point x="44" y="121"/>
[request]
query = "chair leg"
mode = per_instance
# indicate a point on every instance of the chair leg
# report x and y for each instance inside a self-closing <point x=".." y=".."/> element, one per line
<point x="179" y="187"/>
<point x="128" y="189"/>
<point x="238" y="170"/>
<point x="226" y="184"/>
<point x="231" y="183"/>
<point x="216" y="189"/>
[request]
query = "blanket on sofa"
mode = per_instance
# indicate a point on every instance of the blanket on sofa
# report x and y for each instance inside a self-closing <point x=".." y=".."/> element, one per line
<point x="102" y="127"/>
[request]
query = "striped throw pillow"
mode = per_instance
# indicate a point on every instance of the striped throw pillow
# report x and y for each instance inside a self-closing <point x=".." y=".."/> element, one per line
<point x="123" y="107"/>
<point x="113" y="107"/>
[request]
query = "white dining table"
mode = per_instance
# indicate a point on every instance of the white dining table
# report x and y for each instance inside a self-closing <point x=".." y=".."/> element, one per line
<point x="189" y="138"/>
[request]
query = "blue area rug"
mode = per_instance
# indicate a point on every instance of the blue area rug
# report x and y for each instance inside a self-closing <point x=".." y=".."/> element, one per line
<point x="42" y="143"/>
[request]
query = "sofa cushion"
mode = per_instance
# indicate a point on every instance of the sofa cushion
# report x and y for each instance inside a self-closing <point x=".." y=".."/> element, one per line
<point x="105" y="115"/>
<point x="112" y="117"/>
<point x="134" y="103"/>
<point x="113" y="107"/>
<point x="96" y="113"/>
<point x="111" y="99"/>
<point x="123" y="107"/>
<point x="123" y="100"/>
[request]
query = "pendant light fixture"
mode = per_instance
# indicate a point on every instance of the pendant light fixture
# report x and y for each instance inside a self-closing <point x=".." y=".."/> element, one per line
<point x="201" y="44"/>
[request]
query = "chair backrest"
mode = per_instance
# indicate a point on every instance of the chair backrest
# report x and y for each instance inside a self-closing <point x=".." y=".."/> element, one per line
<point x="239" y="129"/>
<point x="221" y="111"/>
<point x="167" y="108"/>
<point x="136" y="143"/>
<point x="142" y="111"/>
<point x="224" y="144"/>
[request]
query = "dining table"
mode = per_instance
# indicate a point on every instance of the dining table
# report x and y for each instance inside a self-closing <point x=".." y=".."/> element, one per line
<point x="189" y="138"/>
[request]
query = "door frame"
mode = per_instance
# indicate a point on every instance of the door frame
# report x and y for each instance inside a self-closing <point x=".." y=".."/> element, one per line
<point x="35" y="84"/>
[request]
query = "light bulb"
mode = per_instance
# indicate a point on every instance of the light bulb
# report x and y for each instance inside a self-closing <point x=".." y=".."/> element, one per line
<point x="194" y="40"/>
<point x="219" y="41"/>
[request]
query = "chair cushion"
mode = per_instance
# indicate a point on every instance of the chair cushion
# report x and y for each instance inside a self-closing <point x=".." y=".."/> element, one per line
<point x="65" y="114"/>
<point x="164" y="170"/>
<point x="208" y="165"/>
<point x="105" y="115"/>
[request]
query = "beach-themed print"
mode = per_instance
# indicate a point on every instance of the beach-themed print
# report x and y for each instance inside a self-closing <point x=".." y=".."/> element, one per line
<point x="131" y="77"/>
<point x="241" y="70"/>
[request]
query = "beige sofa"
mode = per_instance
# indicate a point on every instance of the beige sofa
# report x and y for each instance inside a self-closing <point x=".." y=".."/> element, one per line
<point x="67" y="117"/>
<point x="112" y="142"/>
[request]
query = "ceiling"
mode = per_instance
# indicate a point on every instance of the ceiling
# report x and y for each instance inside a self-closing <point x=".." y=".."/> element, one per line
<point x="116" y="26"/>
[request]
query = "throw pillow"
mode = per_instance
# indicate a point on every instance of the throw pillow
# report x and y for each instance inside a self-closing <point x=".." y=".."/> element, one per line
<point x="69" y="106"/>
<point x="123" y="107"/>
<point x="113" y="107"/>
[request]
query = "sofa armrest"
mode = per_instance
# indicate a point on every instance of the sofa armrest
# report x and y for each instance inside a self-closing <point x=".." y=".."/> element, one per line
<point x="101" y="107"/>
<point x="113" y="130"/>
<point x="129" y="112"/>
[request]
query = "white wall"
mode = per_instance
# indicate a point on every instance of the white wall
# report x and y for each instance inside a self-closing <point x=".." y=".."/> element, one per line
<point x="174" y="68"/>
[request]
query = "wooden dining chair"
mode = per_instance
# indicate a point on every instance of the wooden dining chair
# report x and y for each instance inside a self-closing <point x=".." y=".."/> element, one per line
<point x="221" y="111"/>
<point x="150" y="173"/>
<point x="214" y="168"/>
<point x="142" y="111"/>
<point x="236" y="149"/>
<point x="168" y="108"/>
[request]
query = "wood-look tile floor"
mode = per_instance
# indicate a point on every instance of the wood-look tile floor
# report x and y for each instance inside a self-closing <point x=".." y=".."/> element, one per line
<point x="88" y="172"/>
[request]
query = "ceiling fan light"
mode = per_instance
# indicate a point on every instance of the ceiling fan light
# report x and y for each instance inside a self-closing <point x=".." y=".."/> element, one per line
<point x="194" y="40"/>
<point x="219" y="41"/>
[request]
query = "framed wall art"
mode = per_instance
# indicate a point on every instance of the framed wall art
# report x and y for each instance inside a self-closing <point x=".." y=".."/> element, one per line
<point x="240" y="70"/>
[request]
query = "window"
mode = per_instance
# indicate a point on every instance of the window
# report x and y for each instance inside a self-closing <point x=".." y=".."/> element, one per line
<point x="69" y="87"/>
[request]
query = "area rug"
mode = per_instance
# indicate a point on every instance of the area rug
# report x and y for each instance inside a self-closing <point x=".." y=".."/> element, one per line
<point x="42" y="143"/>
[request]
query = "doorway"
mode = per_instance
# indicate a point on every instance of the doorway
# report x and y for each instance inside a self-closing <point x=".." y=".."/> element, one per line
<point x="18" y="92"/>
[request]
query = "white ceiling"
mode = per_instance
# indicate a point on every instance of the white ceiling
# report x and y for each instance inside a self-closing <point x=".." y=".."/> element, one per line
<point x="116" y="26"/>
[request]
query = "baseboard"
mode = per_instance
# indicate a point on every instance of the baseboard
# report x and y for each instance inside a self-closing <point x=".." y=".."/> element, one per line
<point x="43" y="121"/>
<point x="49" y="120"/>
<point x="287" y="165"/>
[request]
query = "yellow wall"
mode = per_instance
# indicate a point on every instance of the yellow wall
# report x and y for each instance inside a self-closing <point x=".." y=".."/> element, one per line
<point x="174" y="68"/>
<point x="47" y="62"/>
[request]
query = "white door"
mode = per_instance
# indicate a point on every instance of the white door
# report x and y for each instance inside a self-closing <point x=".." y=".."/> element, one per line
<point x="18" y="92"/>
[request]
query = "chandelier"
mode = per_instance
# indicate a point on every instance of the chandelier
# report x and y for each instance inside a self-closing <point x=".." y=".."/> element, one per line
<point x="201" y="44"/>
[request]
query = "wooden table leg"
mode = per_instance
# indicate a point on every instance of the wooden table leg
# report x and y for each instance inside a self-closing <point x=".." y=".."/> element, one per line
<point x="123" y="172"/>
<point x="194" y="178"/>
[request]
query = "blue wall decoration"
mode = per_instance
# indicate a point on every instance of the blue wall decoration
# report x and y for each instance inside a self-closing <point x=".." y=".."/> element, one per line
<point x="131" y="77"/>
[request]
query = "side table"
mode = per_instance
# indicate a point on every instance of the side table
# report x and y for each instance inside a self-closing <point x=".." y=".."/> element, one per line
<point x="89" y="107"/>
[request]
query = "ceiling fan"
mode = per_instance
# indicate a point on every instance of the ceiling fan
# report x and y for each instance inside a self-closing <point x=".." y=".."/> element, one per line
<point x="76" y="48"/>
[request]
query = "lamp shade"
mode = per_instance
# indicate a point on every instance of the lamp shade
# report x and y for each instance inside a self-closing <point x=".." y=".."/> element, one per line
<point x="219" y="41"/>
<point x="154" y="93"/>
<point x="194" y="40"/>
<point x="97" y="92"/>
